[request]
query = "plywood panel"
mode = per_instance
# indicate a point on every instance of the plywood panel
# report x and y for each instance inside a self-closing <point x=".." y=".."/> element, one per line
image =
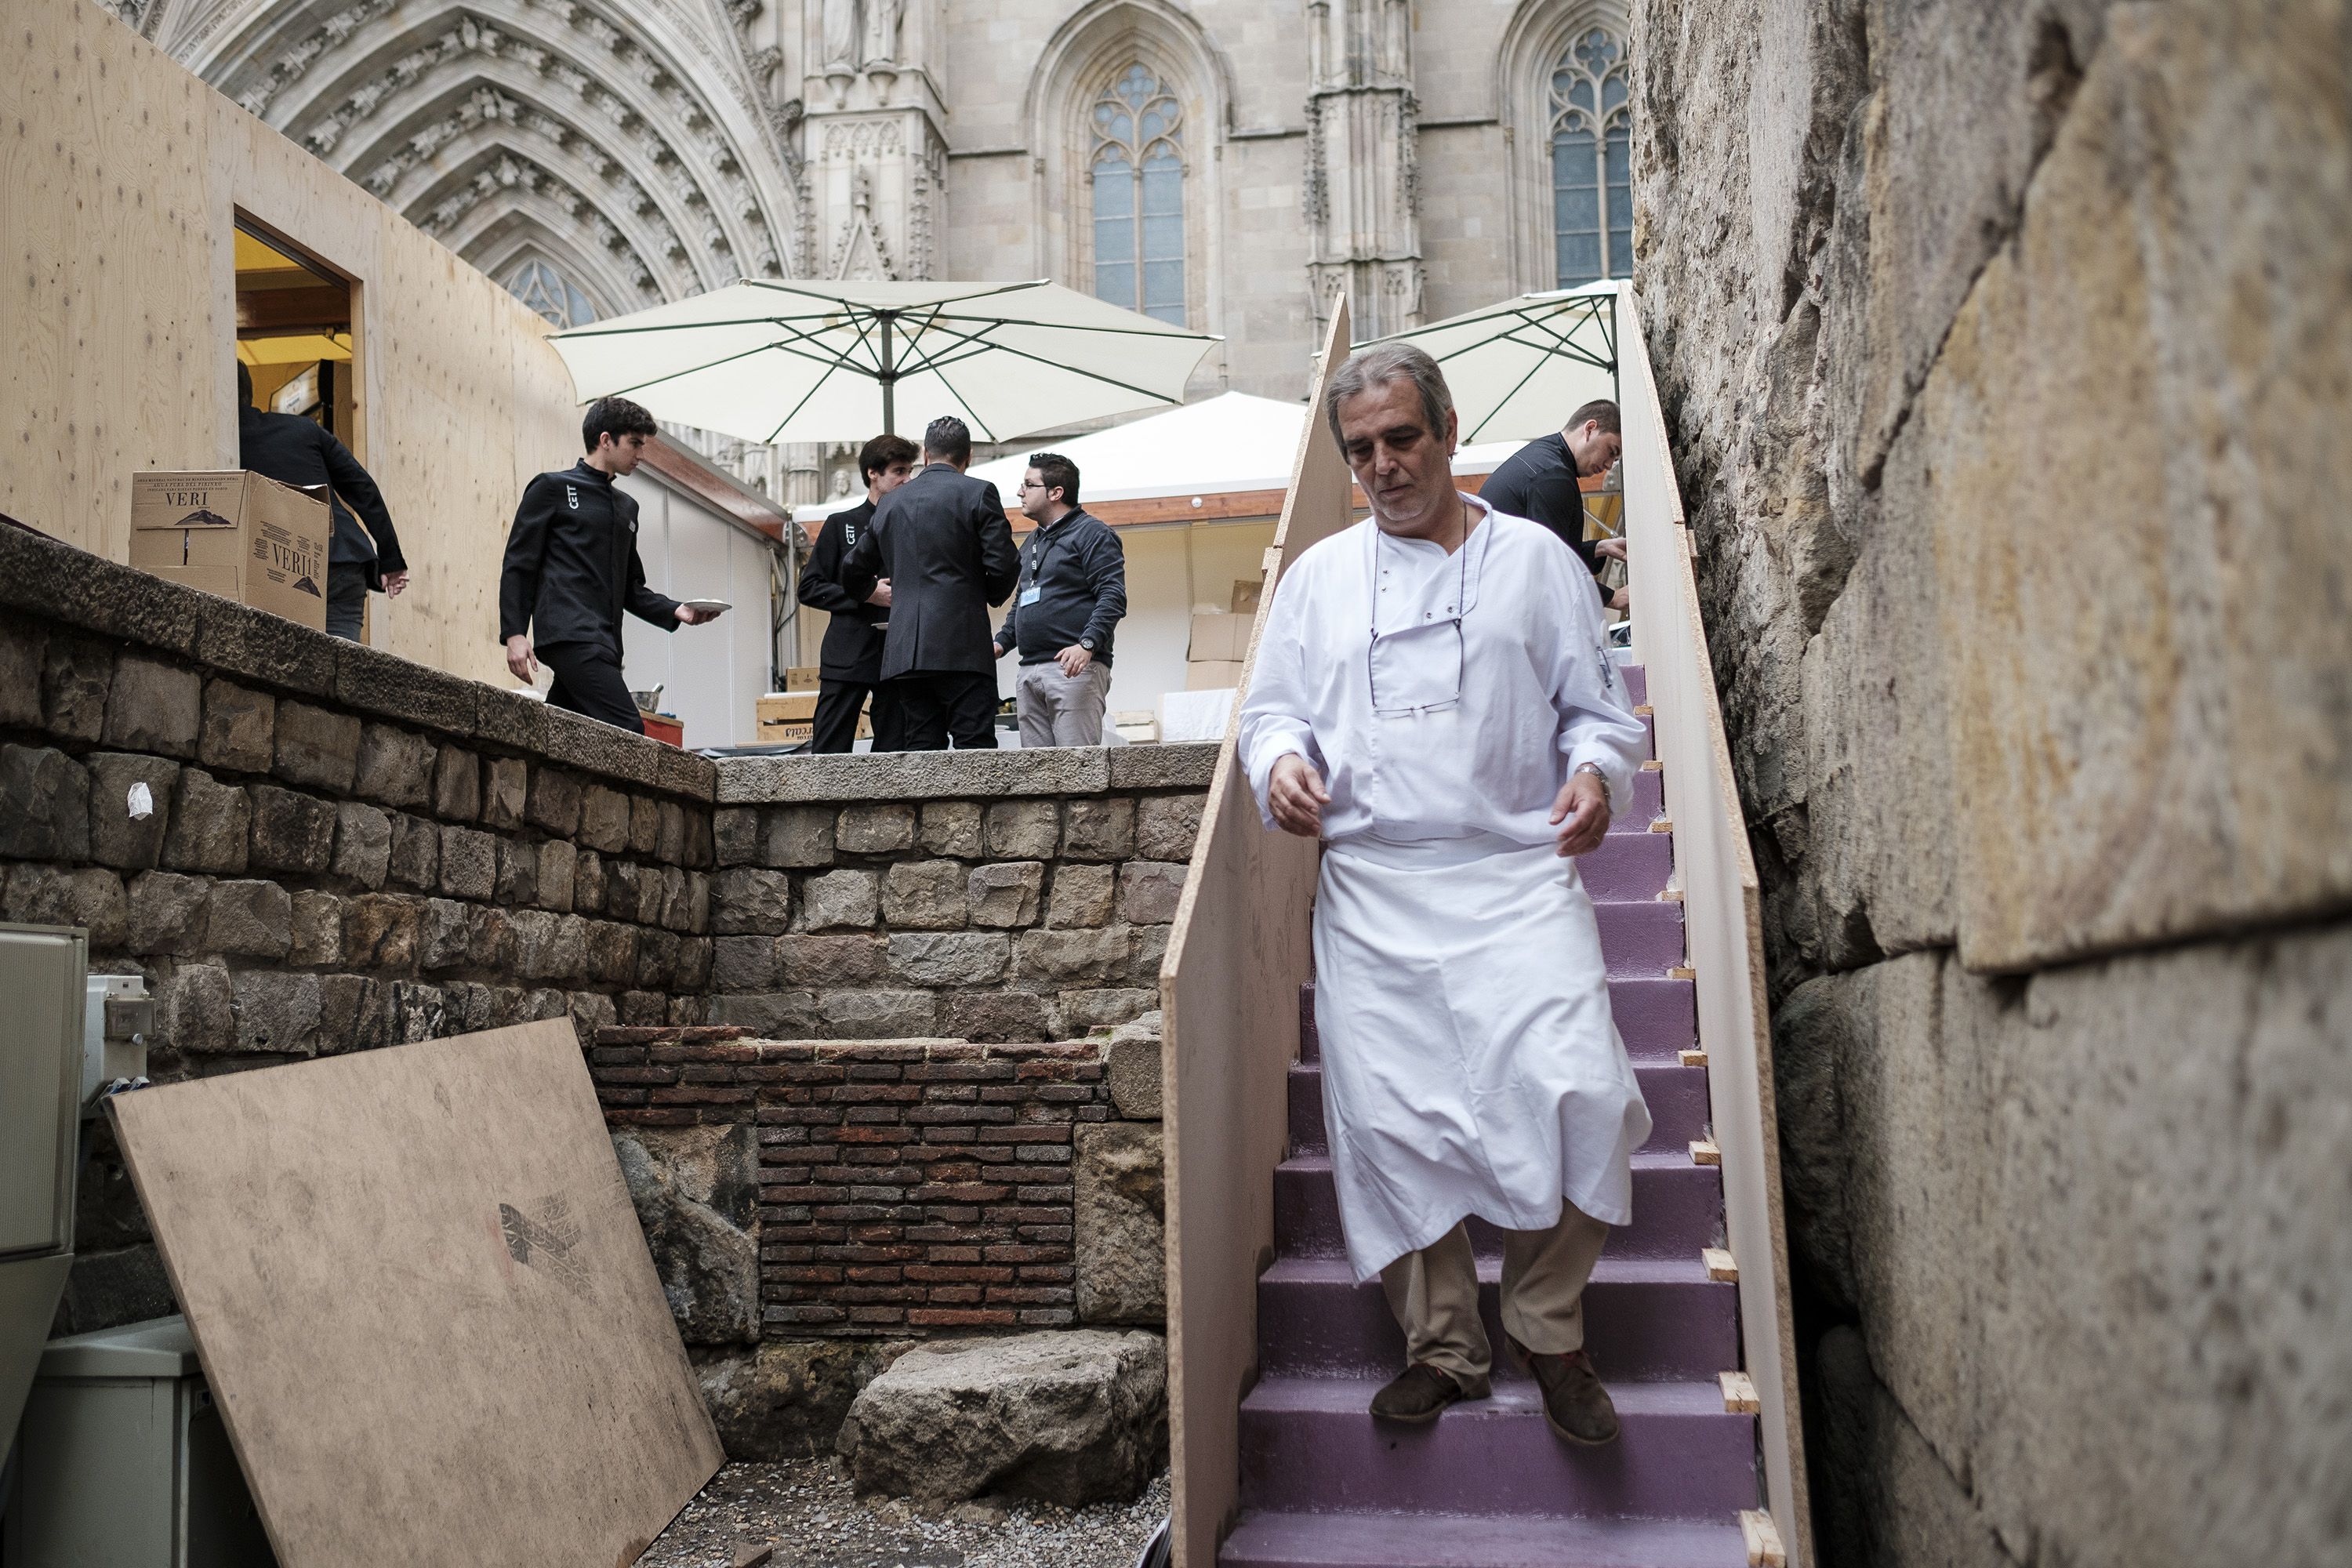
<point x="1722" y="925"/>
<point x="1236" y="957"/>
<point x="423" y="1301"/>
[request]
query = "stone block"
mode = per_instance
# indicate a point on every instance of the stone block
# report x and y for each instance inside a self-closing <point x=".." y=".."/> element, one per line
<point x="1083" y="1011"/>
<point x="1122" y="1241"/>
<point x="155" y="707"/>
<point x="1148" y="891"/>
<point x="799" y="835"/>
<point x="1099" y="829"/>
<point x="677" y="899"/>
<point x="701" y="854"/>
<point x="362" y="843"/>
<point x="1061" y="957"/>
<point x="469" y="862"/>
<point x="1133" y="1068"/>
<point x="949" y="958"/>
<point x="559" y="869"/>
<point x="1188" y="764"/>
<point x="952" y="827"/>
<point x="239" y="733"/>
<point x="52" y="895"/>
<point x="75" y="674"/>
<point x="670" y="840"/>
<point x="1146" y="950"/>
<point x="490" y="941"/>
<point x="398" y="688"/>
<point x="927" y="894"/>
<point x="129" y="807"/>
<point x="880" y="829"/>
<point x="505" y="790"/>
<point x="773" y="1015"/>
<point x="696" y="919"/>
<point x="621" y="899"/>
<point x="820" y="961"/>
<point x="380" y="931"/>
<point x="994" y="1016"/>
<point x="915" y="775"/>
<point x="611" y="952"/>
<point x="685" y="776"/>
<point x="415" y="859"/>
<point x="470" y="1007"/>
<point x="317" y="748"/>
<point x="211" y="825"/>
<point x="517" y="873"/>
<point x="549" y="946"/>
<point x="836" y="900"/>
<point x="604" y="818"/>
<point x="44" y="804"/>
<point x="595" y="747"/>
<point x="291" y="832"/>
<point x="554" y="801"/>
<point x="24" y="646"/>
<point x="250" y="919"/>
<point x="735" y="830"/>
<point x="276" y="1012"/>
<point x="786" y="1399"/>
<point x="108" y="1289"/>
<point x="1083" y="894"/>
<point x="317" y="929"/>
<point x="258" y="645"/>
<point x="166" y="914"/>
<point x="456" y="785"/>
<point x="696" y="1193"/>
<point x="750" y="900"/>
<point x="445" y="934"/>
<point x="1069" y="1419"/>
<point x="589" y="881"/>
<point x="396" y="766"/>
<point x="503" y="720"/>
<point x="1167" y="825"/>
<point x="744" y="964"/>
<point x="1007" y="893"/>
<point x="195" y="1009"/>
<point x="875" y="1014"/>
<point x="1024" y="829"/>
<point x="417" y="1010"/>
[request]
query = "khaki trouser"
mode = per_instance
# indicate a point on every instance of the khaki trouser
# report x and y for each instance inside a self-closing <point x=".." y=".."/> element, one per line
<point x="1058" y="710"/>
<point x="1434" y="1295"/>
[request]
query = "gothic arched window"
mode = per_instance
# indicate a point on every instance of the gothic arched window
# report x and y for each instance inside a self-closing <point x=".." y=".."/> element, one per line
<point x="1592" y="161"/>
<point x="1138" y="179"/>
<point x="538" y="285"/>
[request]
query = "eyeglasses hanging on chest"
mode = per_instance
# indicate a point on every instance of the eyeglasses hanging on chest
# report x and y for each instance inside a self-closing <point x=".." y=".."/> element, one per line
<point x="1418" y="660"/>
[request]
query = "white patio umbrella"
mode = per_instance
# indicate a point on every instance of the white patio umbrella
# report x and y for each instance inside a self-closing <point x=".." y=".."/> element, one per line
<point x="1518" y="369"/>
<point x="778" y="360"/>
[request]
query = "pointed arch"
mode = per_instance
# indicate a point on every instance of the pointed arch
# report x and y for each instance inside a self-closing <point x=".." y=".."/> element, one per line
<point x="1568" y="183"/>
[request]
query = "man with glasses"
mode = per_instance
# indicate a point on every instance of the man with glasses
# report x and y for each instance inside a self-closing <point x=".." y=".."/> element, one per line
<point x="1434" y="700"/>
<point x="1071" y="592"/>
<point x="1540" y="482"/>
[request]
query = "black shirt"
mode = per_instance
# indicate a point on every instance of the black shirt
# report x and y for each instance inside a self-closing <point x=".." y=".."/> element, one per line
<point x="942" y="540"/>
<point x="1538" y="482"/>
<point x="852" y="639"/>
<point x="305" y="454"/>
<point x="572" y="564"/>
<point x="1080" y="571"/>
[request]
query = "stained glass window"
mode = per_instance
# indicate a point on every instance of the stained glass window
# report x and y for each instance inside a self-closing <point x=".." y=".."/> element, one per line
<point x="538" y="285"/>
<point x="1139" y="197"/>
<point x="1592" y="161"/>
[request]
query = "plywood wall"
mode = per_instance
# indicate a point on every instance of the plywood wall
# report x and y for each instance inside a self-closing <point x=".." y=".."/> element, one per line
<point x="121" y="176"/>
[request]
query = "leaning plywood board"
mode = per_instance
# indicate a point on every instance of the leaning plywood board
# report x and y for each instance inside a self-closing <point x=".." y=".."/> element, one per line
<point x="422" y="1300"/>
<point x="1237" y="954"/>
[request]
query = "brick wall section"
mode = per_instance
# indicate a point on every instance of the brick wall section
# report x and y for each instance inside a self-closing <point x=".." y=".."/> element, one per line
<point x="908" y="1187"/>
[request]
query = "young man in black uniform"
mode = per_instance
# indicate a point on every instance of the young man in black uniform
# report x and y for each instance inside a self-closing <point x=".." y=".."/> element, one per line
<point x="849" y="666"/>
<point x="572" y="568"/>
<point x="303" y="453"/>
<point x="1538" y="482"/>
<point x="945" y="544"/>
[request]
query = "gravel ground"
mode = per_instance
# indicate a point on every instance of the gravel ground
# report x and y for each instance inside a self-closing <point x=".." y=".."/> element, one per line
<point x="805" y="1509"/>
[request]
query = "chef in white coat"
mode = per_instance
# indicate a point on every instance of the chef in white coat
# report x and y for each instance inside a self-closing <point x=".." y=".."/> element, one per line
<point x="1435" y="702"/>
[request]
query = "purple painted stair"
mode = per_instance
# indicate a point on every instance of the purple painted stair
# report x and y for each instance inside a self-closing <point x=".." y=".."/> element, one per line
<point x="1489" y="1485"/>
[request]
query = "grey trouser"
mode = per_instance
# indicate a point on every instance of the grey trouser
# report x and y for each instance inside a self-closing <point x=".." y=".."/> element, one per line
<point x="1058" y="710"/>
<point x="1434" y="1294"/>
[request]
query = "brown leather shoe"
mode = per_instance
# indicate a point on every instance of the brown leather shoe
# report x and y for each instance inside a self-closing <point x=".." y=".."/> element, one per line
<point x="1575" y="1404"/>
<point x="1421" y="1393"/>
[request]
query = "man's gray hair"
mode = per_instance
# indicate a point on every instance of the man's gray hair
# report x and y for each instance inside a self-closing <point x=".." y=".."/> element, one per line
<point x="1379" y="365"/>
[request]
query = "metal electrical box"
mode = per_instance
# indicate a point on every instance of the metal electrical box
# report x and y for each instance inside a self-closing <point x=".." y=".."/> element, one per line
<point x="41" y="1034"/>
<point x="124" y="1462"/>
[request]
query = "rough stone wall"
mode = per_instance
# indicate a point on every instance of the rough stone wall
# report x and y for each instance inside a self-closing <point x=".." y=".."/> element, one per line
<point x="308" y="846"/>
<point x="2005" y="349"/>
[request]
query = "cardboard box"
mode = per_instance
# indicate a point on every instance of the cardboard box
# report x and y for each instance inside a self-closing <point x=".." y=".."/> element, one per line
<point x="1220" y="637"/>
<point x="1245" y="595"/>
<point x="802" y="678"/>
<point x="236" y="534"/>
<point x="1213" y="674"/>
<point x="786" y="717"/>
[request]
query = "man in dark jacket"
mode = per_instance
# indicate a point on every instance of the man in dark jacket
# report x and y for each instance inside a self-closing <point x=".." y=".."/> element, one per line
<point x="1072" y="592"/>
<point x="942" y="540"/>
<point x="572" y="568"/>
<point x="1538" y="482"/>
<point x="849" y="666"/>
<point x="305" y="454"/>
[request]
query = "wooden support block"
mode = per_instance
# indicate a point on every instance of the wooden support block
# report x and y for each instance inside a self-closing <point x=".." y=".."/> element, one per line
<point x="757" y="1556"/>
<point x="1763" y="1538"/>
<point x="1739" y="1393"/>
<point x="1653" y="766"/>
<point x="1682" y="972"/>
<point x="1692" y="1058"/>
<point x="1719" y="1264"/>
<point x="1671" y="896"/>
<point x="1704" y="1152"/>
<point x="1643" y="712"/>
<point x="1662" y="825"/>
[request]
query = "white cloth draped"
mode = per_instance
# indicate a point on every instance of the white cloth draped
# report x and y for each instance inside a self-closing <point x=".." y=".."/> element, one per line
<point x="1471" y="1064"/>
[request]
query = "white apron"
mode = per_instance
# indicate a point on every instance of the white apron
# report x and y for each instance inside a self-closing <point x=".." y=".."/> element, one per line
<point x="1470" y="1062"/>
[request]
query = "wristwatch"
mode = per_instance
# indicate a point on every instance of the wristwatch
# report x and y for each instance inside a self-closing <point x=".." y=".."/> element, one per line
<point x="1594" y="769"/>
<point x="1087" y="644"/>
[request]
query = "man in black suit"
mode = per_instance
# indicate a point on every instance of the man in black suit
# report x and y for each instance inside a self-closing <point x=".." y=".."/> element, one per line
<point x="572" y="568"/>
<point x="943" y="541"/>
<point x="849" y="668"/>
<point x="1539" y="482"/>
<point x="303" y="453"/>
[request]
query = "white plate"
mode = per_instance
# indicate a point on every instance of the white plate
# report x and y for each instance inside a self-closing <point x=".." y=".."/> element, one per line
<point x="713" y="604"/>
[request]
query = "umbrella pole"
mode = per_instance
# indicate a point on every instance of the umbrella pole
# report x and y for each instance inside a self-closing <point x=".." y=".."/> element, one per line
<point x="889" y="382"/>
